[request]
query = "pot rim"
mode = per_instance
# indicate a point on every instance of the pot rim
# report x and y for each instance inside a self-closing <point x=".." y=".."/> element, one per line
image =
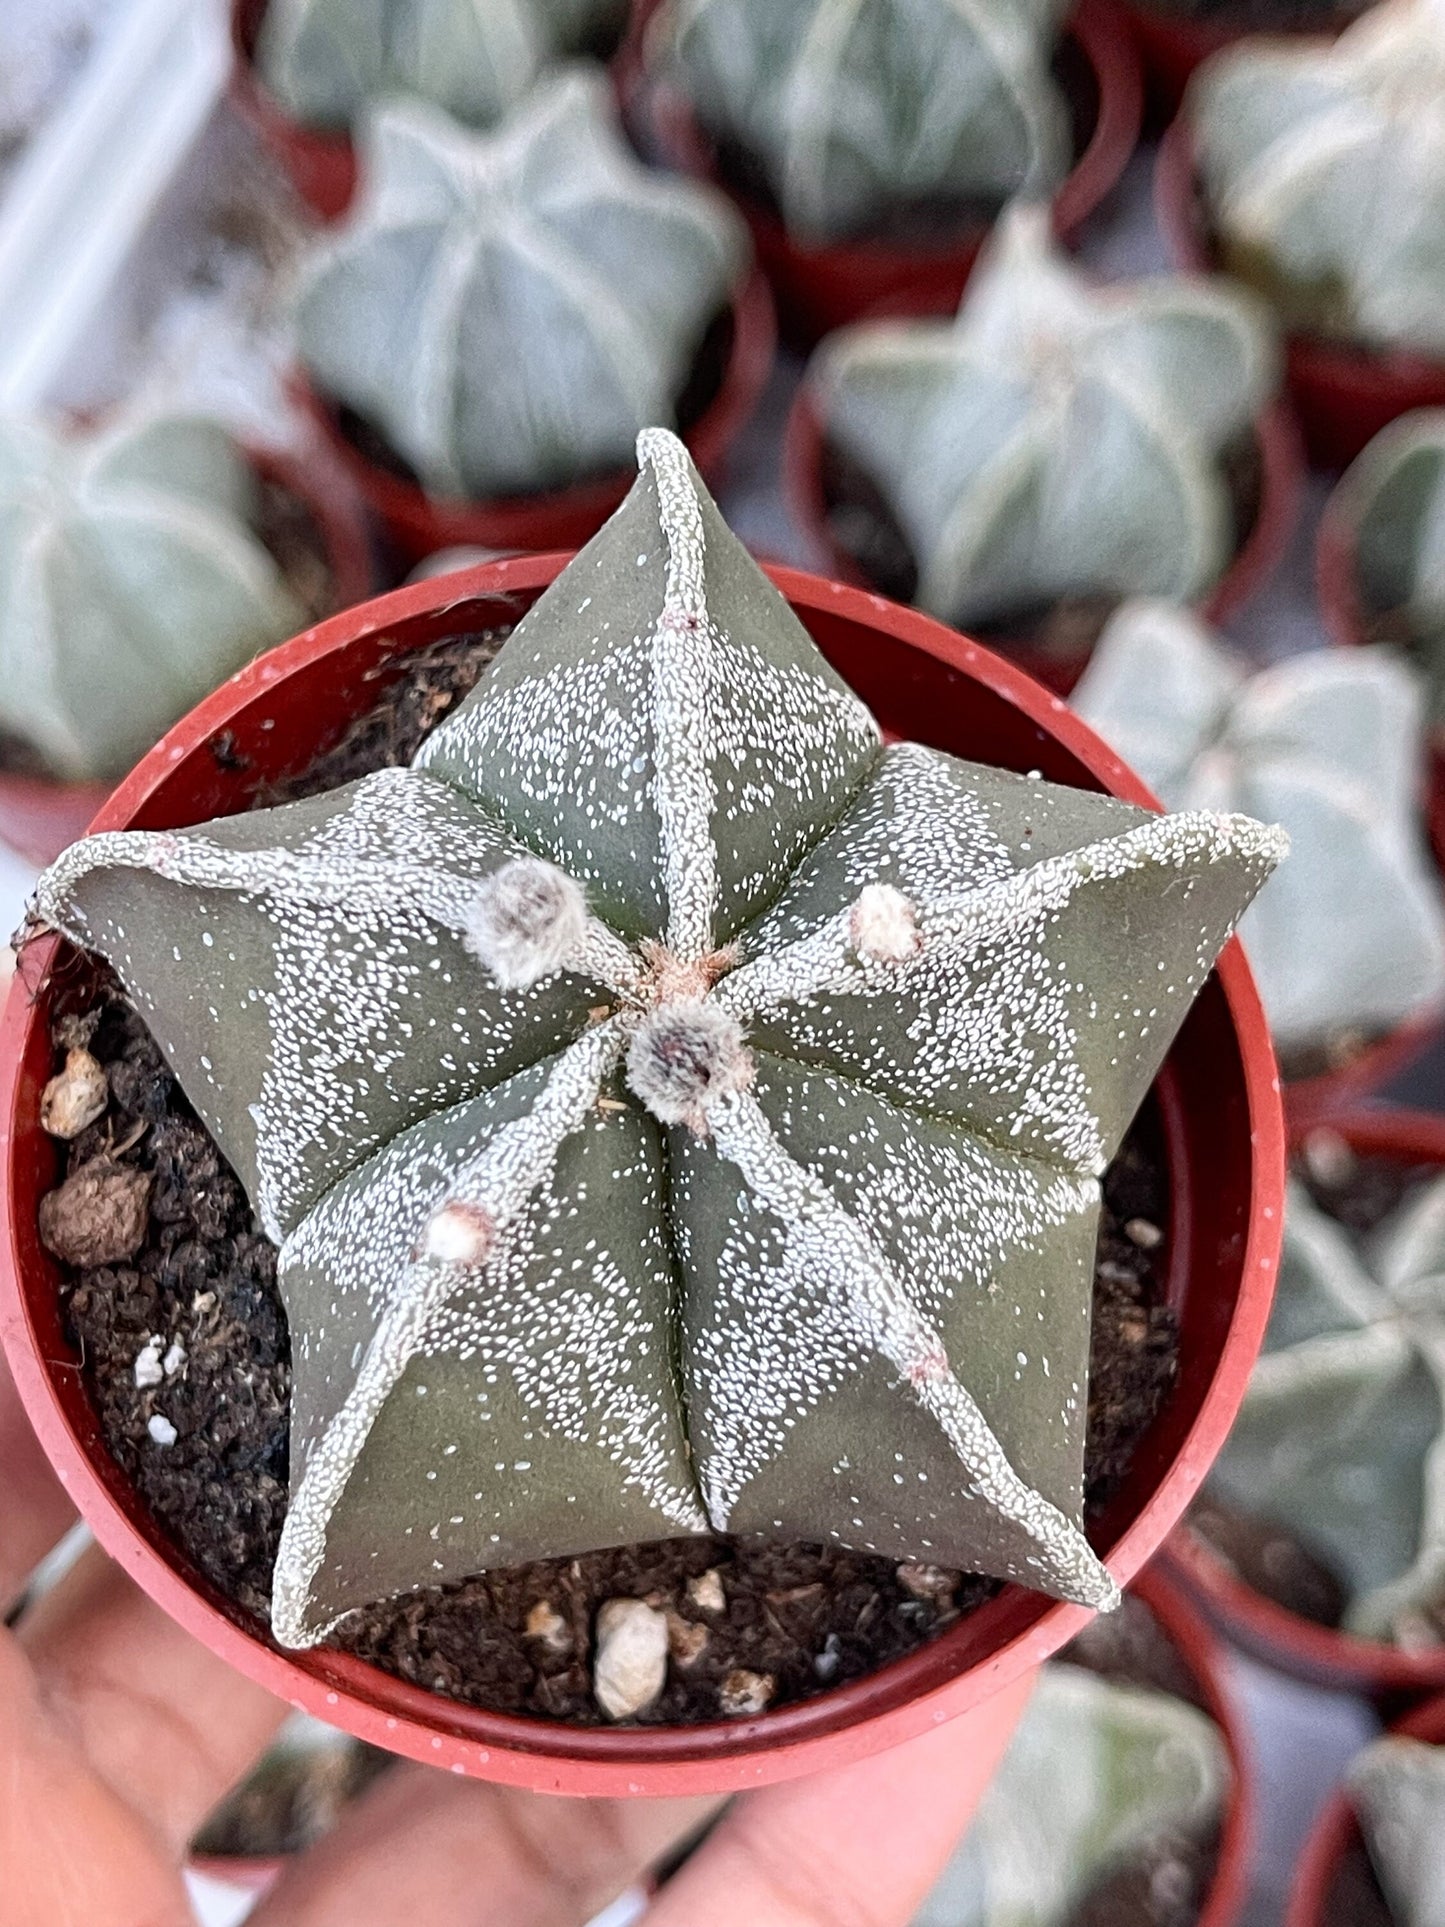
<point x="895" y="1702"/>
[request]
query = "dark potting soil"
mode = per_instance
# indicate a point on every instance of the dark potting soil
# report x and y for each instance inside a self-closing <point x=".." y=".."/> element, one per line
<point x="1356" y="1899"/>
<point x="162" y="1258"/>
<point x="293" y="1798"/>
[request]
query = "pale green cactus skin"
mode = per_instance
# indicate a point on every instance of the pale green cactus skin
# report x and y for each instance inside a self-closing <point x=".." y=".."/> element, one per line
<point x="1323" y="169"/>
<point x="858" y="112"/>
<point x="1392" y="502"/>
<point x="510" y="309"/>
<point x="1057" y="438"/>
<point x="1398" y="1787"/>
<point x="1351" y="941"/>
<point x="1341" y="1439"/>
<point x="654" y="1088"/>
<point x="1097" y="1774"/>
<point x="326" y="60"/>
<point x="131" y="584"/>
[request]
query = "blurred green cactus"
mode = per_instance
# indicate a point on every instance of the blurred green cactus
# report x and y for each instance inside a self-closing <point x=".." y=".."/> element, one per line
<point x="1398" y="1787"/>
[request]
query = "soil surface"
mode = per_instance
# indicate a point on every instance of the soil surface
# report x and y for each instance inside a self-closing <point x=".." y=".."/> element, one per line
<point x="184" y="1346"/>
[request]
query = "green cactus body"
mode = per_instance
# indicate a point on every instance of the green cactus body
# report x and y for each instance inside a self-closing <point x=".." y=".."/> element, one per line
<point x="1057" y="438"/>
<point x="1351" y="941"/>
<point x="857" y="113"/>
<point x="660" y="1088"/>
<point x="1323" y="169"/>
<point x="327" y="60"/>
<point x="510" y="309"/>
<point x="1398" y="1788"/>
<point x="1098" y="1775"/>
<point x="133" y="584"/>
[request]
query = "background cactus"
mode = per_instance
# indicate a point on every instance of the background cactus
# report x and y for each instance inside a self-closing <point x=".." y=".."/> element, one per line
<point x="1351" y="942"/>
<point x="857" y="114"/>
<point x="1398" y="1787"/>
<point x="1098" y="1775"/>
<point x="1341" y="1436"/>
<point x="1058" y="438"/>
<point x="1323" y="170"/>
<point x="509" y="309"/>
<point x="655" y="1087"/>
<point x="325" y="60"/>
<point x="132" y="582"/>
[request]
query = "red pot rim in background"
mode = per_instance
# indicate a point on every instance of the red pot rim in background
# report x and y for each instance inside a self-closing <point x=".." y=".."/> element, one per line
<point x="1172" y="45"/>
<point x="561" y="518"/>
<point x="824" y="286"/>
<point x="1217" y="1097"/>
<point x="1344" y="395"/>
<point x="320" y="166"/>
<point x="40" y="815"/>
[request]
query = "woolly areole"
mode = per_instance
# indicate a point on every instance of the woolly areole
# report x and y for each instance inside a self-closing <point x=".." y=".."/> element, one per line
<point x="769" y="1205"/>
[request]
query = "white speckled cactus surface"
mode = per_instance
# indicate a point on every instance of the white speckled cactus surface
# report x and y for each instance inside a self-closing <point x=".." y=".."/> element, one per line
<point x="1398" y="1787"/>
<point x="675" y="1110"/>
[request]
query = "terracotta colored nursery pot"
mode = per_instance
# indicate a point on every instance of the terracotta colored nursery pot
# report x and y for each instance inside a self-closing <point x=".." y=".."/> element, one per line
<point x="39" y="815"/>
<point x="418" y="525"/>
<point x="1171" y="46"/>
<point x="824" y="286"/>
<point x="1320" y="1655"/>
<point x="1336" y="1833"/>
<point x="1217" y="1094"/>
<point x="1281" y="488"/>
<point x="1344" y="395"/>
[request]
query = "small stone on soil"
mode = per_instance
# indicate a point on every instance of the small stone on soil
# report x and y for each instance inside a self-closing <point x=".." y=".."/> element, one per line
<point x="99" y="1216"/>
<point x="743" y="1694"/>
<point x="934" y="1583"/>
<point x="161" y="1429"/>
<point x="74" y="1097"/>
<point x="174" y="1359"/>
<point x="148" y="1370"/>
<point x="546" y="1625"/>
<point x="706" y="1592"/>
<point x="826" y="1663"/>
<point x="630" y="1666"/>
<point x="686" y="1639"/>
<point x="1144" y="1233"/>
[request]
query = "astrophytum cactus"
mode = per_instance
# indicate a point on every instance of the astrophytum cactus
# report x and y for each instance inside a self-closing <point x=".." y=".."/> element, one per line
<point x="1351" y="940"/>
<point x="510" y="309"/>
<point x="1323" y="168"/>
<point x="1398" y="1789"/>
<point x="1341" y="1439"/>
<point x="1098" y="1776"/>
<point x="857" y="114"/>
<point x="325" y="60"/>
<point x="132" y="582"/>
<point x="674" y="1110"/>
<point x="1057" y="438"/>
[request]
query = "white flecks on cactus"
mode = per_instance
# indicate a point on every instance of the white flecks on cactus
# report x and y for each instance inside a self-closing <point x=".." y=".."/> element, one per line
<point x="1057" y="438"/>
<point x="1099" y="1777"/>
<point x="1398" y="1789"/>
<point x="133" y="584"/>
<point x="1323" y="168"/>
<point x="773" y="1207"/>
<point x="1341" y="1439"/>
<point x="857" y="114"/>
<point x="325" y="60"/>
<point x="1352" y="941"/>
<point x="544" y="249"/>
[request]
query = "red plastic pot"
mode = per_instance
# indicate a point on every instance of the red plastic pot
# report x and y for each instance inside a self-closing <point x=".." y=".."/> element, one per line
<point x="1337" y="1833"/>
<point x="1282" y="483"/>
<point x="1172" y="45"/>
<point x="823" y="287"/>
<point x="40" y="816"/>
<point x="1218" y="1099"/>
<point x="418" y="525"/>
<point x="1344" y="396"/>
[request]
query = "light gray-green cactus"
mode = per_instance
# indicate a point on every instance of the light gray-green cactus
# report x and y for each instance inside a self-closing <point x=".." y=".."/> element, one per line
<point x="1058" y="438"/>
<point x="327" y="60"/>
<point x="859" y="113"/>
<point x="1391" y="508"/>
<point x="1398" y="1788"/>
<point x="510" y="309"/>
<point x="1097" y="1775"/>
<point x="1351" y="941"/>
<point x="674" y="1109"/>
<point x="1323" y="169"/>
<point x="132" y="583"/>
<point x="1341" y="1439"/>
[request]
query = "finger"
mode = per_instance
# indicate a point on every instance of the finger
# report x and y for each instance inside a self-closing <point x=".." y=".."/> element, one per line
<point x="422" y="1845"/>
<point x="158" y="1718"/>
<point x="858" y="1847"/>
<point x="35" y="1513"/>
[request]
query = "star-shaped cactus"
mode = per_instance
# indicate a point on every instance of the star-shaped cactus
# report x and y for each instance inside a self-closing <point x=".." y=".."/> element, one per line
<point x="1398" y="1787"/>
<point x="674" y="1109"/>
<point x="1341" y="1438"/>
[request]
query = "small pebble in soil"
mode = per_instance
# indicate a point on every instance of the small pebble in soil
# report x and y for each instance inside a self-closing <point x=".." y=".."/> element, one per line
<point x="630" y="1666"/>
<point x="1144" y="1233"/>
<point x="547" y="1626"/>
<point x="934" y="1583"/>
<point x="743" y="1694"/>
<point x="175" y="1359"/>
<point x="706" y="1592"/>
<point x="148" y="1368"/>
<point x="827" y="1662"/>
<point x="687" y="1640"/>
<point x="99" y="1216"/>
<point x="161" y="1429"/>
<point x="75" y="1097"/>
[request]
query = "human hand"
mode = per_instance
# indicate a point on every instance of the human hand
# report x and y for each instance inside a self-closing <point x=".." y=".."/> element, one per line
<point x="119" y="1733"/>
